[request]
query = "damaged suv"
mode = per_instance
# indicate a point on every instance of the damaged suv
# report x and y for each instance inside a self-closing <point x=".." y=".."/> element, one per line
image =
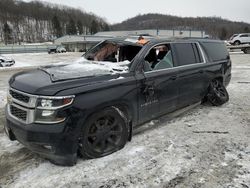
<point x="91" y="106"/>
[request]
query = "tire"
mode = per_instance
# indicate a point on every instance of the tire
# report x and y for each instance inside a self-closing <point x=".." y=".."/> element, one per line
<point x="217" y="93"/>
<point x="1" y="65"/>
<point x="246" y="50"/>
<point x="237" y="42"/>
<point x="105" y="132"/>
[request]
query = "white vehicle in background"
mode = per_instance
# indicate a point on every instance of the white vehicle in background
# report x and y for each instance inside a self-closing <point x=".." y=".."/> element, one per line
<point x="61" y="49"/>
<point x="56" y="49"/>
<point x="6" y="62"/>
<point x="241" y="38"/>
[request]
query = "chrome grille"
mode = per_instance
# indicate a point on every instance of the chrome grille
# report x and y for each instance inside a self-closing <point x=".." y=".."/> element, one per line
<point x="19" y="96"/>
<point x="18" y="113"/>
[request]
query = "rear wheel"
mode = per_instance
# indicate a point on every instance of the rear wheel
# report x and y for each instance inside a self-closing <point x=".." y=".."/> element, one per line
<point x="246" y="50"/>
<point x="104" y="133"/>
<point x="217" y="93"/>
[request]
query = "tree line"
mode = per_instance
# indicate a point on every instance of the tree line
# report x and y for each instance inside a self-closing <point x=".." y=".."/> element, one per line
<point x="39" y="22"/>
<point x="216" y="27"/>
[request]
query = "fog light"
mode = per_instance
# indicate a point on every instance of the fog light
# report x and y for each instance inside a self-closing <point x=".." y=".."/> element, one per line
<point x="46" y="113"/>
<point x="47" y="147"/>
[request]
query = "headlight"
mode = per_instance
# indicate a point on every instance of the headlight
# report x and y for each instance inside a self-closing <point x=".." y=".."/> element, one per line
<point x="48" y="109"/>
<point x="49" y="116"/>
<point x="53" y="103"/>
<point x="45" y="103"/>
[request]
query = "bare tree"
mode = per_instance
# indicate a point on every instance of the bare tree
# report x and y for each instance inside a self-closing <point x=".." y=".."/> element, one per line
<point x="36" y="22"/>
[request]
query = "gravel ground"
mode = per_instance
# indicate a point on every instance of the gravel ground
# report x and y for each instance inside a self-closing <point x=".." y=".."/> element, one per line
<point x="203" y="146"/>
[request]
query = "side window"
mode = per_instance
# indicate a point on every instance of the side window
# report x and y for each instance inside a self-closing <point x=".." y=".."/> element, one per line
<point x="187" y="53"/>
<point x="244" y="35"/>
<point x="216" y="51"/>
<point x="159" y="57"/>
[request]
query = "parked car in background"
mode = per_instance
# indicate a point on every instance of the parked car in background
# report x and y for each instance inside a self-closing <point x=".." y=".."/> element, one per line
<point x="91" y="107"/>
<point x="241" y="38"/>
<point x="61" y="49"/>
<point x="56" y="49"/>
<point x="6" y="61"/>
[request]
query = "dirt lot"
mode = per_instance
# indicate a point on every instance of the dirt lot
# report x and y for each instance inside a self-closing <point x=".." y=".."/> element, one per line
<point x="203" y="147"/>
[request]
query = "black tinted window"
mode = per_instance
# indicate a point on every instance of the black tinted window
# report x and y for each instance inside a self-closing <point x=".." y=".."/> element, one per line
<point x="216" y="50"/>
<point x="244" y="36"/>
<point x="187" y="53"/>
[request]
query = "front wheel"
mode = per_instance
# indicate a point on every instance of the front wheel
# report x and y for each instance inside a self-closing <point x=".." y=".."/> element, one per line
<point x="104" y="133"/>
<point x="237" y="42"/>
<point x="217" y="93"/>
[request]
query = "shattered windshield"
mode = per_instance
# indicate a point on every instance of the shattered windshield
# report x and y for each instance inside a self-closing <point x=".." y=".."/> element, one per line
<point x="106" y="58"/>
<point x="113" y="51"/>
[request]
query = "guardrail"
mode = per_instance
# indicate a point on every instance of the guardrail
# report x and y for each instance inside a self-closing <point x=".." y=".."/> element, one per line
<point x="25" y="49"/>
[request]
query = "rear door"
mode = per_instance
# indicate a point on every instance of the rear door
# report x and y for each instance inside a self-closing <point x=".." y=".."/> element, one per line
<point x="248" y="38"/>
<point x="244" y="38"/>
<point x="192" y="79"/>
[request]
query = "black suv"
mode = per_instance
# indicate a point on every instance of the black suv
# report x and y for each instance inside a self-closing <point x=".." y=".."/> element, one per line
<point x="91" y="106"/>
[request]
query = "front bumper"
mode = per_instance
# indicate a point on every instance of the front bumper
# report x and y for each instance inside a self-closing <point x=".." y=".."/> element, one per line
<point x="55" y="142"/>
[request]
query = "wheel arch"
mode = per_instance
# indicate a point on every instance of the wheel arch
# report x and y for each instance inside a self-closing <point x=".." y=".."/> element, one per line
<point x="237" y="42"/>
<point x="219" y="78"/>
<point x="123" y="107"/>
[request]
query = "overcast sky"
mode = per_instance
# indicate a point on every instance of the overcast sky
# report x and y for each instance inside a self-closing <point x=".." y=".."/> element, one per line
<point x="115" y="11"/>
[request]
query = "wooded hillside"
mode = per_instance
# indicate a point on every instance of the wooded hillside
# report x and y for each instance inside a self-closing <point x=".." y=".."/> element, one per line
<point x="39" y="22"/>
<point x="214" y="26"/>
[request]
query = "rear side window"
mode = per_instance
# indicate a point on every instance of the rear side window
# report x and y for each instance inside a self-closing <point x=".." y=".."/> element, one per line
<point x="216" y="51"/>
<point x="244" y="35"/>
<point x="187" y="53"/>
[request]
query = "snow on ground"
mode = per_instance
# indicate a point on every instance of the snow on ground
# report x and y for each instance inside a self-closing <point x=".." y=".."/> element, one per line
<point x="203" y="147"/>
<point x="2" y="98"/>
<point x="31" y="60"/>
<point x="40" y="59"/>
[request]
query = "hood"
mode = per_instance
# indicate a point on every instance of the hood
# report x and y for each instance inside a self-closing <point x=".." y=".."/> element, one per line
<point x="84" y="68"/>
<point x="51" y="80"/>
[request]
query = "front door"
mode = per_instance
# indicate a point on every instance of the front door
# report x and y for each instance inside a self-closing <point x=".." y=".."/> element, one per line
<point x="158" y="93"/>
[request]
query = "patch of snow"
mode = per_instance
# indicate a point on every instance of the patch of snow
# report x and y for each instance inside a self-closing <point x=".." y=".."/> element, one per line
<point x="84" y="68"/>
<point x="3" y="98"/>
<point x="35" y="44"/>
<point x="119" y="78"/>
<point x="224" y="164"/>
<point x="39" y="59"/>
<point x="8" y="146"/>
<point x="243" y="67"/>
<point x="136" y="150"/>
